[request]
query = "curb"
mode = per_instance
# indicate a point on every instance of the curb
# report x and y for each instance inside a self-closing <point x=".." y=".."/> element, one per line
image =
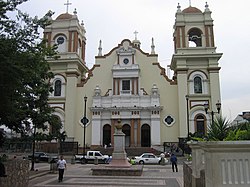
<point x="39" y="174"/>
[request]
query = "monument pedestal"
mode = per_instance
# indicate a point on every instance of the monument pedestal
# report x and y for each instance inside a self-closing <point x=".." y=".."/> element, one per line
<point x="119" y="156"/>
<point x="119" y="164"/>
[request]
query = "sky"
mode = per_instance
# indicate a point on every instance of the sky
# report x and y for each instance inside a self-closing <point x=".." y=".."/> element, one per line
<point x="114" y="20"/>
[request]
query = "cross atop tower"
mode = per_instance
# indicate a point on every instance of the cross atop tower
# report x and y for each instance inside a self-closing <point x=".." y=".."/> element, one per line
<point x="190" y="2"/>
<point x="135" y="35"/>
<point x="67" y="4"/>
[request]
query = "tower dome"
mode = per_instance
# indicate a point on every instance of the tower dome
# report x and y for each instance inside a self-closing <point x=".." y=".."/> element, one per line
<point x="192" y="10"/>
<point x="64" y="16"/>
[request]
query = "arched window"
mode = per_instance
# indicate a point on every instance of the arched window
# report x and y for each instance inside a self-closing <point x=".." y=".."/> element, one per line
<point x="200" y="125"/>
<point x="58" y="88"/>
<point x="197" y="85"/>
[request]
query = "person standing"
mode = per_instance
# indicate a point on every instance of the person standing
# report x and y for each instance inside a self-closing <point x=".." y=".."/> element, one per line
<point x="61" y="164"/>
<point x="173" y="160"/>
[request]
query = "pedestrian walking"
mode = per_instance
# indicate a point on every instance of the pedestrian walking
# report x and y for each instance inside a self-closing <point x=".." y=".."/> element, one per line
<point x="173" y="160"/>
<point x="61" y="164"/>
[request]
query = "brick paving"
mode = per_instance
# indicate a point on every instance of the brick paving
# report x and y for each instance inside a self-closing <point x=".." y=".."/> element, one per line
<point x="78" y="175"/>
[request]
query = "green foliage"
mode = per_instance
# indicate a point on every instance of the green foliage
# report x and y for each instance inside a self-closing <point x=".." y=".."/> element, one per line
<point x="240" y="132"/>
<point x="218" y="131"/>
<point x="56" y="124"/>
<point x="198" y="139"/>
<point x="243" y="135"/>
<point x="3" y="158"/>
<point x="24" y="72"/>
<point x="231" y="135"/>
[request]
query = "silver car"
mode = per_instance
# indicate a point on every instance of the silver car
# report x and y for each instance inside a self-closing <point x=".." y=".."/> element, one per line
<point x="148" y="158"/>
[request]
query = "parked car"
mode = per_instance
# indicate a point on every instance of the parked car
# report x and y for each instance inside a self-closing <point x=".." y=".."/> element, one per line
<point x="148" y="158"/>
<point x="91" y="156"/>
<point x="42" y="156"/>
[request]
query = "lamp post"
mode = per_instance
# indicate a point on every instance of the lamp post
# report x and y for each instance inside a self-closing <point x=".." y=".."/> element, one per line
<point x="84" y="121"/>
<point x="187" y="99"/>
<point x="33" y="149"/>
<point x="218" y="106"/>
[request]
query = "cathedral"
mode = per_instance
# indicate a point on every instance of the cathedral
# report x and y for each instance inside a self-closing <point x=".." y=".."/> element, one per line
<point x="130" y="85"/>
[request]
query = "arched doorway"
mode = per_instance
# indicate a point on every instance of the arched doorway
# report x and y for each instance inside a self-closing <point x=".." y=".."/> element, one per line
<point x="200" y="126"/>
<point x="145" y="136"/>
<point x="126" y="131"/>
<point x="106" y="135"/>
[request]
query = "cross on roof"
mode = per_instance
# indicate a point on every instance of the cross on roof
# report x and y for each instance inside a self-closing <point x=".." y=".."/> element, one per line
<point x="135" y="35"/>
<point x="67" y="4"/>
<point x="189" y="2"/>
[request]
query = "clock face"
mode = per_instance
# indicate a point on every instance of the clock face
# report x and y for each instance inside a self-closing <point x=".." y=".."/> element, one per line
<point x="60" y="40"/>
<point x="125" y="61"/>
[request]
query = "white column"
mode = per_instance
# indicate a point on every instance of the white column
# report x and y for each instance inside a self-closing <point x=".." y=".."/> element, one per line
<point x="96" y="132"/>
<point x="182" y="91"/>
<point x="155" y="132"/>
<point x="70" y="105"/>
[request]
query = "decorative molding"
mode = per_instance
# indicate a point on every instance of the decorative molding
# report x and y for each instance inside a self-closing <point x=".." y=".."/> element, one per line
<point x="72" y="74"/>
<point x="120" y="45"/>
<point x="163" y="73"/>
<point x="214" y="69"/>
<point x="90" y="74"/>
<point x="169" y="120"/>
<point x="144" y="91"/>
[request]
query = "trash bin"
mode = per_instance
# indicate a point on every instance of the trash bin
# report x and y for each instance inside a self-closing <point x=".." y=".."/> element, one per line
<point x="53" y="166"/>
<point x="73" y="161"/>
<point x="96" y="161"/>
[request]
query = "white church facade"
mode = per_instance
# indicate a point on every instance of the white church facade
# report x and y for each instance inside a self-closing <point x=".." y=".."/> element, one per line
<point x="130" y="85"/>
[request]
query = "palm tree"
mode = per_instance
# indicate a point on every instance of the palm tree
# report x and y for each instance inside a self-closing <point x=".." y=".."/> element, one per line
<point x="219" y="129"/>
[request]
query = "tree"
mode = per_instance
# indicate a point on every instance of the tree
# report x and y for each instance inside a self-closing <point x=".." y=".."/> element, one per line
<point x="24" y="72"/>
<point x="56" y="133"/>
<point x="218" y="130"/>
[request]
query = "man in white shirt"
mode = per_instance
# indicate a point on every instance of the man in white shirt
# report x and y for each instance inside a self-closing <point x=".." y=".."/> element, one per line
<point x="61" y="164"/>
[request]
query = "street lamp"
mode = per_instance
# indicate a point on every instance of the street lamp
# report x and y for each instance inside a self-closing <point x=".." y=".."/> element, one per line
<point x="187" y="99"/>
<point x="33" y="150"/>
<point x="84" y="121"/>
<point x="218" y="106"/>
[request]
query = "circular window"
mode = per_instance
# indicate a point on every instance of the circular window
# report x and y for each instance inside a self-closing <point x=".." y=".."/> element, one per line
<point x="169" y="120"/>
<point x="125" y="61"/>
<point x="60" y="40"/>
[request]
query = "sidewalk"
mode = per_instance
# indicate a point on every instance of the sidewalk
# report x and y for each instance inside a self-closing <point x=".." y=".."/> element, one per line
<point x="78" y="175"/>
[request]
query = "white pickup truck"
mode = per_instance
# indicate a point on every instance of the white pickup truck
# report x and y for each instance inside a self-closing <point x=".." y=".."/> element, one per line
<point x="91" y="156"/>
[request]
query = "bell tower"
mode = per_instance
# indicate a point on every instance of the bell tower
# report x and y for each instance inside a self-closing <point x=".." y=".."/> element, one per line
<point x="195" y="64"/>
<point x="69" y="68"/>
<point x="68" y="34"/>
<point x="193" y="28"/>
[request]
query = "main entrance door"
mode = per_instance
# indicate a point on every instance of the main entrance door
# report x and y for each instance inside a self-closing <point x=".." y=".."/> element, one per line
<point x="145" y="136"/>
<point x="106" y="135"/>
<point x="126" y="131"/>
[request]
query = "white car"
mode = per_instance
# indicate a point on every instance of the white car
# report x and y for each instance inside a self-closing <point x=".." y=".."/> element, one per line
<point x="148" y="158"/>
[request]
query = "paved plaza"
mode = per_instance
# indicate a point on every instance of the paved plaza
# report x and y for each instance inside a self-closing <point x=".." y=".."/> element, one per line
<point x="78" y="175"/>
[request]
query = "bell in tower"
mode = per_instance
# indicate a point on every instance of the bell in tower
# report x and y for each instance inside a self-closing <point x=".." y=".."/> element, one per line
<point x="193" y="28"/>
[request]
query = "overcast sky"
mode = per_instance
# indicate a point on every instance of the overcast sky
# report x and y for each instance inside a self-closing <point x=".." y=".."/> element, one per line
<point x="114" y="20"/>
